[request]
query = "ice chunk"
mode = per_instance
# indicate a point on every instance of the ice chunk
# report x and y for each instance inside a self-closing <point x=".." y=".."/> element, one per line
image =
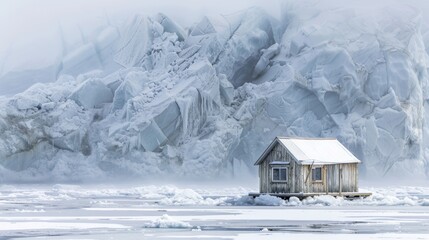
<point x="268" y="200"/>
<point x="399" y="69"/>
<point x="267" y="55"/>
<point x="296" y="45"/>
<point x="333" y="103"/>
<point x="28" y="159"/>
<point x="152" y="137"/>
<point x="203" y="27"/>
<point x="226" y="90"/>
<point x="71" y="141"/>
<point x="168" y="222"/>
<point x="392" y="121"/>
<point x="170" y="121"/>
<point x="389" y="101"/>
<point x="135" y="42"/>
<point x="170" y="26"/>
<point x="387" y="145"/>
<point x="184" y="197"/>
<point x="113" y="81"/>
<point x="376" y="85"/>
<point x="92" y="93"/>
<point x="251" y="32"/>
<point x="132" y="85"/>
<point x="324" y="200"/>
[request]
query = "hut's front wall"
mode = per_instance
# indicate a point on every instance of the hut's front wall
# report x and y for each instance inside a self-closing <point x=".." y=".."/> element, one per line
<point x="266" y="184"/>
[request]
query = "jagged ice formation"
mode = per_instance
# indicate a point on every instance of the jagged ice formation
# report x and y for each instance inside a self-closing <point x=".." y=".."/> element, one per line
<point x="205" y="101"/>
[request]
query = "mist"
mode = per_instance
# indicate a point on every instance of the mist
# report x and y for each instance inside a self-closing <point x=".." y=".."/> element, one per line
<point x="31" y="29"/>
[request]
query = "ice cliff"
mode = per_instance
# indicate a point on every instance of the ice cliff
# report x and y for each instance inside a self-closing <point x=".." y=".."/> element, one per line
<point x="205" y="100"/>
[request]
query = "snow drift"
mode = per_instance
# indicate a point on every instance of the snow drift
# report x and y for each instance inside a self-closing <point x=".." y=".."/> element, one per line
<point x="204" y="101"/>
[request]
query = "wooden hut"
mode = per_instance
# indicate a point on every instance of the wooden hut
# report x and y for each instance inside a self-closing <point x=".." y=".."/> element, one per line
<point x="305" y="167"/>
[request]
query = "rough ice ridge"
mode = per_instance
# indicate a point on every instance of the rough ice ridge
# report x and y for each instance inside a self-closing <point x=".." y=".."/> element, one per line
<point x="204" y="102"/>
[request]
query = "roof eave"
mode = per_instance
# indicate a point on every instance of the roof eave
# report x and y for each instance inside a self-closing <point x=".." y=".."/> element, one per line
<point x="305" y="162"/>
<point x="265" y="153"/>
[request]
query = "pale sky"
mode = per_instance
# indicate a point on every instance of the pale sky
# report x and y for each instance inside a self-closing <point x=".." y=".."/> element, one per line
<point x="29" y="28"/>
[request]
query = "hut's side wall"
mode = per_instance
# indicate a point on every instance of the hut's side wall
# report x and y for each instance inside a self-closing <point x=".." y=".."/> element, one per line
<point x="349" y="177"/>
<point x="278" y="154"/>
<point x="334" y="177"/>
<point x="309" y="185"/>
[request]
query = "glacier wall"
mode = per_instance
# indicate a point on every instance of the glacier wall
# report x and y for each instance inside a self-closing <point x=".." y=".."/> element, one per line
<point x="205" y="100"/>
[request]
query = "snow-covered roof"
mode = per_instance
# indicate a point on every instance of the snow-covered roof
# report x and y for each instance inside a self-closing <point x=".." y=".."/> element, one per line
<point x="314" y="150"/>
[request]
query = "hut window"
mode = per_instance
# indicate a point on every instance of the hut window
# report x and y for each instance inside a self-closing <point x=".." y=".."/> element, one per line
<point x="316" y="174"/>
<point x="280" y="174"/>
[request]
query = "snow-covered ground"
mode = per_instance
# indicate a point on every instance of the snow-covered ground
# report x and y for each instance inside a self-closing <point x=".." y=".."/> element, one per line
<point x="171" y="212"/>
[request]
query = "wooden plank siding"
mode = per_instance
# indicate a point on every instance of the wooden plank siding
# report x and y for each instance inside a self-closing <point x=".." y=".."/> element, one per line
<point x="309" y="185"/>
<point x="279" y="154"/>
<point x="300" y="177"/>
<point x="331" y="178"/>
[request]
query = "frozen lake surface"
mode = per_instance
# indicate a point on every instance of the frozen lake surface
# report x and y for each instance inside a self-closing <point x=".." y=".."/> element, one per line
<point x="169" y="212"/>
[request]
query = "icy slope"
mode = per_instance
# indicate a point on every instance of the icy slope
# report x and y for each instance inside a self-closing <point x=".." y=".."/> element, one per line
<point x="205" y="101"/>
<point x="366" y="86"/>
<point x="62" y="54"/>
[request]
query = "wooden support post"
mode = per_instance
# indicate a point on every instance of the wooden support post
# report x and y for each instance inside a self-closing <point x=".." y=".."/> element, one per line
<point x="341" y="178"/>
<point x="292" y="169"/>
<point x="325" y="176"/>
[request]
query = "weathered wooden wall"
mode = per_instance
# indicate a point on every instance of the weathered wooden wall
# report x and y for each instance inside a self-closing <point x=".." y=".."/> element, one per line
<point x="349" y="177"/>
<point x="279" y="154"/>
<point x="331" y="175"/>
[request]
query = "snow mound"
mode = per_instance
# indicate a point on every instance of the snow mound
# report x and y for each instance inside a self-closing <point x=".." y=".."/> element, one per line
<point x="324" y="200"/>
<point x="267" y="200"/>
<point x="183" y="197"/>
<point x="293" y="201"/>
<point x="424" y="202"/>
<point x="189" y="197"/>
<point x="166" y="221"/>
